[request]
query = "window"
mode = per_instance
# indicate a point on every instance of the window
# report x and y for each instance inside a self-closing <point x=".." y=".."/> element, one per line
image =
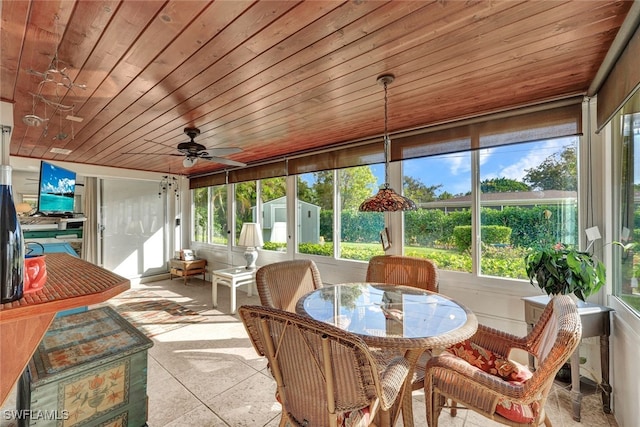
<point x="273" y="194"/>
<point x="487" y="189"/>
<point x="315" y="213"/>
<point x="219" y="223"/>
<point x="246" y="197"/>
<point x="201" y="215"/>
<point x="359" y="231"/>
<point x="441" y="187"/>
<point x="210" y="215"/>
<point x="626" y="134"/>
<point x="528" y="198"/>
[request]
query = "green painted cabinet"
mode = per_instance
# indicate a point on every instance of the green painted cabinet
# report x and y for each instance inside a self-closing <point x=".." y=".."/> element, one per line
<point x="89" y="370"/>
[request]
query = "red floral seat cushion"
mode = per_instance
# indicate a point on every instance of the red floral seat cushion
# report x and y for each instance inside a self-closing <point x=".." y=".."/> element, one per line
<point x="517" y="412"/>
<point x="490" y="362"/>
<point x="506" y="369"/>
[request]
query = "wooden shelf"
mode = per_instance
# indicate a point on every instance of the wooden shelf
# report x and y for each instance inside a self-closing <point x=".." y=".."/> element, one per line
<point x="71" y="283"/>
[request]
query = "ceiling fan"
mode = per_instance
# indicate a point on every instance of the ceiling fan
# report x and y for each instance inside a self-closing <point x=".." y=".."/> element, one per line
<point x="192" y="151"/>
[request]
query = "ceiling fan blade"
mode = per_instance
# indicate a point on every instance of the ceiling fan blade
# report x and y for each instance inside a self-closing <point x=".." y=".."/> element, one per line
<point x="224" y="161"/>
<point x="210" y="152"/>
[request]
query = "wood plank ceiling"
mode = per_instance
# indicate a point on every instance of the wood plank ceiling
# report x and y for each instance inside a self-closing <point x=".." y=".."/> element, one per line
<point x="276" y="78"/>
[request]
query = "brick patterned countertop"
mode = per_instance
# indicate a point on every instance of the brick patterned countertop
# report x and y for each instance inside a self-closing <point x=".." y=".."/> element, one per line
<point x="71" y="282"/>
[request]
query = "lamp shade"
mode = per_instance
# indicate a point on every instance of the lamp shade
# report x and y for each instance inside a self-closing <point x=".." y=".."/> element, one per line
<point x="250" y="235"/>
<point x="387" y="200"/>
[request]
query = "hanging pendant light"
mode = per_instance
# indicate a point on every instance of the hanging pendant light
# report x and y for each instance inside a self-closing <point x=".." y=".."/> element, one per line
<point x="387" y="200"/>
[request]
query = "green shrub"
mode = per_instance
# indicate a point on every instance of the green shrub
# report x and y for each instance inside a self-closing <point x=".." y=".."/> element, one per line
<point x="273" y="246"/>
<point x="462" y="237"/>
<point x="491" y="235"/>
<point x="425" y="227"/>
<point x="496" y="235"/>
<point x="324" y="249"/>
<point x="356" y="226"/>
<point x="359" y="251"/>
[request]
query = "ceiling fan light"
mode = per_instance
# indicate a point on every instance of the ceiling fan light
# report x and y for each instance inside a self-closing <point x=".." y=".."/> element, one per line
<point x="189" y="161"/>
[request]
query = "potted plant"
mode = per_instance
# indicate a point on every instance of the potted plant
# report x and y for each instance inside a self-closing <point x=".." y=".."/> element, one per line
<point x="563" y="270"/>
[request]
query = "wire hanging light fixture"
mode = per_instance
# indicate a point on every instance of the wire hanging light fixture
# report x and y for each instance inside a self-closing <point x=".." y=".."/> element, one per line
<point x="387" y="200"/>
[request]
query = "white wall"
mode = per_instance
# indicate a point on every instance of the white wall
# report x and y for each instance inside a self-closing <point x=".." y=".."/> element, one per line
<point x="625" y="364"/>
<point x="6" y="123"/>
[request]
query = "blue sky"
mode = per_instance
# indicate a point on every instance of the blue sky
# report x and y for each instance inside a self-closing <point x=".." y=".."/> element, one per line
<point x="453" y="171"/>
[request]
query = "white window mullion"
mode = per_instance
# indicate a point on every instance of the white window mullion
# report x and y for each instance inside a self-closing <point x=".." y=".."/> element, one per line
<point x="476" y="219"/>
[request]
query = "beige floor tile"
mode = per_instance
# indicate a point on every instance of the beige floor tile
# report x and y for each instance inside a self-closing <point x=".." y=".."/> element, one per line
<point x="221" y="375"/>
<point x="274" y="422"/>
<point x="169" y="400"/>
<point x="200" y="416"/>
<point x="249" y="403"/>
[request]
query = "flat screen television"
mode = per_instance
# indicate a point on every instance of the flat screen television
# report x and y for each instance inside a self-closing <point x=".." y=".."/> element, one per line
<point x="57" y="190"/>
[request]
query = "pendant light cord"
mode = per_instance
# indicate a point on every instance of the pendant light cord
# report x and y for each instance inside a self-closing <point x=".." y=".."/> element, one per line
<point x="386" y="139"/>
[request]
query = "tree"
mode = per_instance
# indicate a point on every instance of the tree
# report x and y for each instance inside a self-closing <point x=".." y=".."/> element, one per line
<point x="356" y="184"/>
<point x="219" y="206"/>
<point x="273" y="188"/>
<point x="502" y="185"/>
<point x="445" y="195"/>
<point x="305" y="192"/>
<point x="200" y="214"/>
<point x="417" y="191"/>
<point x="245" y="199"/>
<point x="323" y="190"/>
<point x="559" y="171"/>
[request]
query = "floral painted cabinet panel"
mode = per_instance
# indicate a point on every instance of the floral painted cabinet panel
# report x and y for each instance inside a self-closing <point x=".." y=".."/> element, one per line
<point x="89" y="370"/>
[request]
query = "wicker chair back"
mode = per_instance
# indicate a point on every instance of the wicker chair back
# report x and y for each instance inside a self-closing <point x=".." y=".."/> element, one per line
<point x="281" y="284"/>
<point x="403" y="270"/>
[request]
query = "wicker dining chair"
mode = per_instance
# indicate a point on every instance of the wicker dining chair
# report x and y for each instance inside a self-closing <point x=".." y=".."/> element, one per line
<point x="281" y="284"/>
<point x="509" y="401"/>
<point x="324" y="375"/>
<point x="403" y="270"/>
<point x="410" y="271"/>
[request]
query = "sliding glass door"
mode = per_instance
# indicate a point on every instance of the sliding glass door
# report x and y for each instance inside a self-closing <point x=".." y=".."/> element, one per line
<point x="133" y="223"/>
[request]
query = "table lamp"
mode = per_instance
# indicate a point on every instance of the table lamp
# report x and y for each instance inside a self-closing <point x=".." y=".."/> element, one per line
<point x="251" y="238"/>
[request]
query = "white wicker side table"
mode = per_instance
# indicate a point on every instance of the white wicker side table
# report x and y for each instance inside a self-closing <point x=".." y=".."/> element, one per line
<point x="233" y="278"/>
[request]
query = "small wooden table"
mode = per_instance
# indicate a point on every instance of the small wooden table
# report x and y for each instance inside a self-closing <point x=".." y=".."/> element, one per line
<point x="233" y="278"/>
<point x="595" y="322"/>
<point x="185" y="269"/>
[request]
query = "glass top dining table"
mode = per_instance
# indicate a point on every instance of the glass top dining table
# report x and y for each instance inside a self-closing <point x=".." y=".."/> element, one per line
<point x="405" y="318"/>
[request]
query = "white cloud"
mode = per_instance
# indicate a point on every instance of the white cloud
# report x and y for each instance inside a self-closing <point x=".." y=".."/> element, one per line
<point x="458" y="163"/>
<point x="513" y="161"/>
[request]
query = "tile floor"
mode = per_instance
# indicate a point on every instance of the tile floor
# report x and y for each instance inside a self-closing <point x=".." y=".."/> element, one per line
<point x="208" y="375"/>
